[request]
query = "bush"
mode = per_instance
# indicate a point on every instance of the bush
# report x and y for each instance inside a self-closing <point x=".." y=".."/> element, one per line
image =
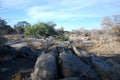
<point x="63" y="38"/>
<point x="39" y="29"/>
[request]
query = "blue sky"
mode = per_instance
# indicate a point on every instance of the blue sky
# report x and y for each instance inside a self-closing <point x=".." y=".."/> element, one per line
<point x="70" y="14"/>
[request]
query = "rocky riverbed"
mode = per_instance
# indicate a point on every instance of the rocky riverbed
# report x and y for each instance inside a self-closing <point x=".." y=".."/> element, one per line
<point x="59" y="63"/>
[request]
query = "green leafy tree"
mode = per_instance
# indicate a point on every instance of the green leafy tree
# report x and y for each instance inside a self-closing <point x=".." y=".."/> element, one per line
<point x="63" y="38"/>
<point x="40" y="29"/>
<point x="19" y="27"/>
<point x="4" y="28"/>
<point x="27" y="30"/>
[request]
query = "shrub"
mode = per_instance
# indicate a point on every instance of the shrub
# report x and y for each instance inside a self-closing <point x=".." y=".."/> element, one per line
<point x="63" y="38"/>
<point x="40" y="29"/>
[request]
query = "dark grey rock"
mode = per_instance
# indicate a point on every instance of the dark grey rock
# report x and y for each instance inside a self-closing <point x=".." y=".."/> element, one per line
<point x="80" y="53"/>
<point x="83" y="55"/>
<point x="72" y="78"/>
<point x="100" y="63"/>
<point x="45" y="67"/>
<point x="25" y="51"/>
<point x="72" y="66"/>
<point x="7" y="50"/>
<point x="7" y="58"/>
<point x="37" y="53"/>
<point x="7" y="53"/>
<point x="5" y="69"/>
<point x="102" y="67"/>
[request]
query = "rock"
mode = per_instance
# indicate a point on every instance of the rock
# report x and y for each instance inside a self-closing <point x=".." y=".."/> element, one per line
<point x="5" y="69"/>
<point x="37" y="53"/>
<point x="54" y="53"/>
<point x="7" y="53"/>
<point x="7" y="58"/>
<point x="61" y="48"/>
<point x="72" y="78"/>
<point x="25" y="51"/>
<point x="45" y="67"/>
<point x="7" y="50"/>
<point x="80" y="52"/>
<point x="102" y="67"/>
<point x="86" y="57"/>
<point x="72" y="66"/>
<point x="98" y="62"/>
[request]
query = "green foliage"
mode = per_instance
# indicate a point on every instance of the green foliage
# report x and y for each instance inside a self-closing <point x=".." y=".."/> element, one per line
<point x="63" y="38"/>
<point x="39" y="29"/>
<point x="27" y="31"/>
<point x="4" y="28"/>
<point x="19" y="27"/>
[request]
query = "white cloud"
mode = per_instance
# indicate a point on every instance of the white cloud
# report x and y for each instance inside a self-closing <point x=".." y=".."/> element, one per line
<point x="76" y="2"/>
<point x="47" y="12"/>
<point x="38" y="12"/>
<point x="15" y="3"/>
<point x="64" y="9"/>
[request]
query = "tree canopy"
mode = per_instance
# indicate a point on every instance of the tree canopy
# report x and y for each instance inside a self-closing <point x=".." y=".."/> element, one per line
<point x="4" y="28"/>
<point x="19" y="27"/>
<point x="39" y="29"/>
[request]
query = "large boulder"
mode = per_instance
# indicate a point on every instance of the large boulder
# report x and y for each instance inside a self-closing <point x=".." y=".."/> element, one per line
<point x="100" y="64"/>
<point x="71" y="66"/>
<point x="46" y="67"/>
<point x="86" y="57"/>
<point x="102" y="67"/>
<point x="7" y="53"/>
<point x="37" y="53"/>
<point x="25" y="52"/>
<point x="72" y="78"/>
<point x="7" y="50"/>
<point x="81" y="53"/>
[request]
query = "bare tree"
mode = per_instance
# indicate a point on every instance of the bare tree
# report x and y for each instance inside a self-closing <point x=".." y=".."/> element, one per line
<point x="112" y="24"/>
<point x="81" y="31"/>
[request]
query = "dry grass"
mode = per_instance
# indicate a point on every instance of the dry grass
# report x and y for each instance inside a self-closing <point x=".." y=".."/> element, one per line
<point x="17" y="77"/>
<point x="81" y="45"/>
<point x="41" y="45"/>
<point x="111" y="48"/>
<point x="36" y="45"/>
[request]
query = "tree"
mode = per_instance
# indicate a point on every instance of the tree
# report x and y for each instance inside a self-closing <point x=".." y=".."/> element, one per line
<point x="27" y="30"/>
<point x="112" y="24"/>
<point x="51" y="24"/>
<point x="60" y="31"/>
<point x="19" y="27"/>
<point x="40" y="29"/>
<point x="4" y="28"/>
<point x="81" y="31"/>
